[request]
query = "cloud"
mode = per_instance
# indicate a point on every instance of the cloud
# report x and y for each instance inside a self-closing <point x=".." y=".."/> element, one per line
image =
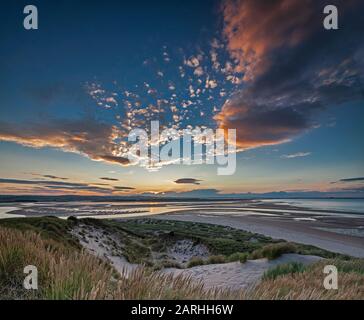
<point x="296" y="155"/>
<point x="97" y="140"/>
<point x="109" y="179"/>
<point x="260" y="125"/>
<point x="115" y="159"/>
<point x="49" y="176"/>
<point x="359" y="179"/>
<point x="41" y="182"/>
<point x="187" y="181"/>
<point x="292" y="67"/>
<point x="120" y="188"/>
<point x="66" y="186"/>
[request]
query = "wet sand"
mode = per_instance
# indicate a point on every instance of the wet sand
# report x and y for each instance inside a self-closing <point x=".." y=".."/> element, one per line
<point x="287" y="228"/>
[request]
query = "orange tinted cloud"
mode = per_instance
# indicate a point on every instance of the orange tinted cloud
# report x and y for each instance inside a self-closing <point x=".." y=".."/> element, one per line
<point x="96" y="140"/>
<point x="292" y="67"/>
<point x="253" y="28"/>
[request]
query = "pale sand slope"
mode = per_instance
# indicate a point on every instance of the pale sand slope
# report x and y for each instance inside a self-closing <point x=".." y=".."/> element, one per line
<point x="104" y="246"/>
<point x="305" y="232"/>
<point x="236" y="275"/>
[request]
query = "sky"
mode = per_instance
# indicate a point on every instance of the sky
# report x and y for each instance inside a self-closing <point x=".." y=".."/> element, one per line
<point x="72" y="90"/>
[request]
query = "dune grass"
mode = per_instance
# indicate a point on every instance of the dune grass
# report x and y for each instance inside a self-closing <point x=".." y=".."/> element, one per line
<point x="48" y="227"/>
<point x="195" y="261"/>
<point x="308" y="284"/>
<point x="67" y="273"/>
<point x="283" y="269"/>
<point x="274" y="250"/>
<point x="238" y="256"/>
<point x="220" y="240"/>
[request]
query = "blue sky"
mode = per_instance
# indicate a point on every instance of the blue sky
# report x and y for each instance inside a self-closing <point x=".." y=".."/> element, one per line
<point x="296" y="100"/>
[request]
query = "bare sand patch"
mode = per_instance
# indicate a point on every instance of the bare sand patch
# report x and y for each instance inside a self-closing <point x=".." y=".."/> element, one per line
<point x="103" y="245"/>
<point x="236" y="275"/>
<point x="184" y="250"/>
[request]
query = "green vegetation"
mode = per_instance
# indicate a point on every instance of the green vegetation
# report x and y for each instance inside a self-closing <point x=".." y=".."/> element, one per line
<point x="145" y="241"/>
<point x="216" y="259"/>
<point x="283" y="269"/>
<point x="47" y="227"/>
<point x="273" y="251"/>
<point x="220" y="240"/>
<point x="238" y="256"/>
<point x="195" y="261"/>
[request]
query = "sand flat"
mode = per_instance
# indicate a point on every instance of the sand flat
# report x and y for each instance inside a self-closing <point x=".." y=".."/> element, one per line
<point x="304" y="232"/>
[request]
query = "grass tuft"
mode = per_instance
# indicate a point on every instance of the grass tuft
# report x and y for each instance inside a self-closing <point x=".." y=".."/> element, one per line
<point x="273" y="251"/>
<point x="283" y="269"/>
<point x="195" y="261"/>
<point x="238" y="256"/>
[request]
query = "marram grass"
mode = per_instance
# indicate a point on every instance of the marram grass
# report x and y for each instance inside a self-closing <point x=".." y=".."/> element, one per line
<point x="69" y="273"/>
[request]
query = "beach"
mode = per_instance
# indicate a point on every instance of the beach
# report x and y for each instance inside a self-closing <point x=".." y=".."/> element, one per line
<point x="332" y="224"/>
<point x="305" y="232"/>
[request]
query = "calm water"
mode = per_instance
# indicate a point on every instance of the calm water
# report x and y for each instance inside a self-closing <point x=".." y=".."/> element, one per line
<point x="346" y="205"/>
<point x="352" y="207"/>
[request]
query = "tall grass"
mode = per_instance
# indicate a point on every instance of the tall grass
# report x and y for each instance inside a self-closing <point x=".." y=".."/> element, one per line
<point x="283" y="269"/>
<point x="66" y="273"/>
<point x="308" y="285"/>
<point x="63" y="272"/>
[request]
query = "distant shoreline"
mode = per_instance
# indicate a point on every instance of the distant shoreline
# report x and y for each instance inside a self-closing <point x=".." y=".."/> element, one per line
<point x="26" y="198"/>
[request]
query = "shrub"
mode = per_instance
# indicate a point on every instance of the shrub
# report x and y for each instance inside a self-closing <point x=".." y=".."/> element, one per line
<point x="171" y="264"/>
<point x="282" y="269"/>
<point x="195" y="261"/>
<point x="273" y="251"/>
<point x="216" y="259"/>
<point x="238" y="256"/>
